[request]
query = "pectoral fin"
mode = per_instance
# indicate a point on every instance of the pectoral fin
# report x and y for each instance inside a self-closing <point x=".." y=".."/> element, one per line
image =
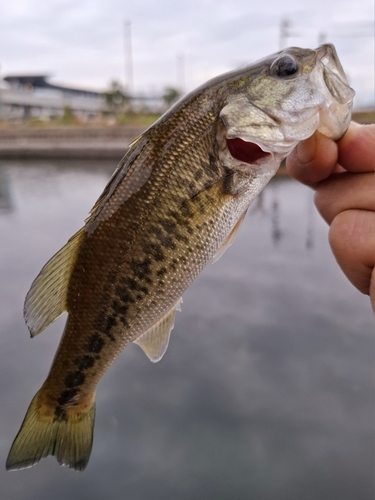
<point x="155" y="340"/>
<point x="230" y="238"/>
<point x="46" y="299"/>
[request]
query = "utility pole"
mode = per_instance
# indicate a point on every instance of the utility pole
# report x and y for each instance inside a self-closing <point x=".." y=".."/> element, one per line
<point x="180" y="72"/>
<point x="128" y="58"/>
<point x="322" y="37"/>
<point x="285" y="33"/>
<point x="1" y="92"/>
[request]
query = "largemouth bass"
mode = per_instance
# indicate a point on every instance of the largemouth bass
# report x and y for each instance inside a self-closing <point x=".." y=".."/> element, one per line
<point x="175" y="202"/>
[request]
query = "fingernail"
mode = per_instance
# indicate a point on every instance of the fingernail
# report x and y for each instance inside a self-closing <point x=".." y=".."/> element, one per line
<point x="306" y="150"/>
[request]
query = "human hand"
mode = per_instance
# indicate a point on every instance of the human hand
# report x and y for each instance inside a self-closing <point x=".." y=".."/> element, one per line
<point x="343" y="176"/>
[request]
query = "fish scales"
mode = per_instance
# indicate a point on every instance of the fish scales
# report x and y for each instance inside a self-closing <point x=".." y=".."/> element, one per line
<point x="174" y="203"/>
<point x="160" y="222"/>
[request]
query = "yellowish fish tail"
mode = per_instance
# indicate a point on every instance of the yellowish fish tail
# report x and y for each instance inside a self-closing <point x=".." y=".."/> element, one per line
<point x="67" y="437"/>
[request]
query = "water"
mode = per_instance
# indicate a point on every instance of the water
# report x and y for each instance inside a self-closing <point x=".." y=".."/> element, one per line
<point x="266" y="391"/>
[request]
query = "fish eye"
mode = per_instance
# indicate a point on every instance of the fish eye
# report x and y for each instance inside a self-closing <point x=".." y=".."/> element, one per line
<point x="285" y="66"/>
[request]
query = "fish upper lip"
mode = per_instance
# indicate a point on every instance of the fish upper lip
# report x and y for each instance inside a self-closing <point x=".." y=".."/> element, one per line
<point x="323" y="50"/>
<point x="328" y="50"/>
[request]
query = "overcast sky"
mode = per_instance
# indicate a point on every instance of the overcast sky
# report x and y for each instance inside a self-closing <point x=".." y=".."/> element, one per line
<point x="81" y="42"/>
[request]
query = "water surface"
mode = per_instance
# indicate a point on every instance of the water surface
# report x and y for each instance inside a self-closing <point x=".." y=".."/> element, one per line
<point x="265" y="392"/>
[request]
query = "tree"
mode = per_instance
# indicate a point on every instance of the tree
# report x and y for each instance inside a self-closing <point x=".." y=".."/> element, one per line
<point x="170" y="96"/>
<point x="116" y="98"/>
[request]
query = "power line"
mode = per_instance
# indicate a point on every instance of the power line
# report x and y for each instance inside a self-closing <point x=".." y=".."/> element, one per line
<point x="355" y="30"/>
<point x="180" y="72"/>
<point x="128" y="58"/>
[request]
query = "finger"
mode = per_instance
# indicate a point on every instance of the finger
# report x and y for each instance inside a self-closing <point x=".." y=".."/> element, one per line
<point x="343" y="192"/>
<point x="356" y="149"/>
<point x="313" y="160"/>
<point x="352" y="239"/>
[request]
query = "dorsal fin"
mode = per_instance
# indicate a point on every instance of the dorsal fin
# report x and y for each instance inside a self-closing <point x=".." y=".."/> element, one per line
<point x="155" y="340"/>
<point x="128" y="177"/>
<point x="46" y="299"/>
<point x="122" y="166"/>
<point x="230" y="238"/>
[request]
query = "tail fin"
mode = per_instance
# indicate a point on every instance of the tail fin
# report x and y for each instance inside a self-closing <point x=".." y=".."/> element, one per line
<point x="69" y="439"/>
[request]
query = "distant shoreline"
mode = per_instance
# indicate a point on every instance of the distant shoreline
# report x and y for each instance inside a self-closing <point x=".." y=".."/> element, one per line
<point x="59" y="143"/>
<point x="82" y="142"/>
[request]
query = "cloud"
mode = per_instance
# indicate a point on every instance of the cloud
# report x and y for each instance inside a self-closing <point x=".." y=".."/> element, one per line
<point x="82" y="43"/>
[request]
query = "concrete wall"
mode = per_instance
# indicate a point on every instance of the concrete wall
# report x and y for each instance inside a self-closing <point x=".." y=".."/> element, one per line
<point x="67" y="142"/>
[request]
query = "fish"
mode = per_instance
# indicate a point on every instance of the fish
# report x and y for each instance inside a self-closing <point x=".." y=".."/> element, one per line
<point x="175" y="202"/>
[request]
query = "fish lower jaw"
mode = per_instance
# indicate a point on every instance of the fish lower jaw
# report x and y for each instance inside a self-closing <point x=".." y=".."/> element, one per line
<point x="280" y="150"/>
<point x="334" y="121"/>
<point x="264" y="169"/>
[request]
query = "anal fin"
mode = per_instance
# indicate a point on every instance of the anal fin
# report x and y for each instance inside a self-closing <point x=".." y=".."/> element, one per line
<point x="155" y="340"/>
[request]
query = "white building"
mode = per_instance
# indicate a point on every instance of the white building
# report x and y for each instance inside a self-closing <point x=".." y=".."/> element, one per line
<point x="31" y="96"/>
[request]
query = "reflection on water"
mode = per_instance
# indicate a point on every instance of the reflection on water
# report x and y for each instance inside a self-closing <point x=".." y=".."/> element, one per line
<point x="310" y="221"/>
<point x="6" y="202"/>
<point x="276" y="231"/>
<point x="266" y="389"/>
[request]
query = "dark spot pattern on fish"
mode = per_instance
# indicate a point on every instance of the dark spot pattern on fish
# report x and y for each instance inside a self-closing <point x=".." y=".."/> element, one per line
<point x="60" y="414"/>
<point x="186" y="210"/>
<point x="181" y="237"/>
<point x="67" y="395"/>
<point x="74" y="379"/>
<point x="132" y="284"/>
<point x="169" y="243"/>
<point x="208" y="198"/>
<point x="182" y="219"/>
<point x="161" y="272"/>
<point x="109" y="323"/>
<point x="158" y="233"/>
<point x="122" y="309"/>
<point x="124" y="321"/>
<point x="175" y="215"/>
<point x="155" y="251"/>
<point x="85" y="362"/>
<point x="95" y="343"/>
<point x="168" y="225"/>
<point x="214" y="168"/>
<point x="116" y="304"/>
<point x="125" y="296"/>
<point x="136" y="285"/>
<point x="142" y="269"/>
<point x="173" y="266"/>
<point x="198" y="175"/>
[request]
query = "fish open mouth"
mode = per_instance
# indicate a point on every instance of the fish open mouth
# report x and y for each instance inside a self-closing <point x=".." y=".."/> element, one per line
<point x="246" y="152"/>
